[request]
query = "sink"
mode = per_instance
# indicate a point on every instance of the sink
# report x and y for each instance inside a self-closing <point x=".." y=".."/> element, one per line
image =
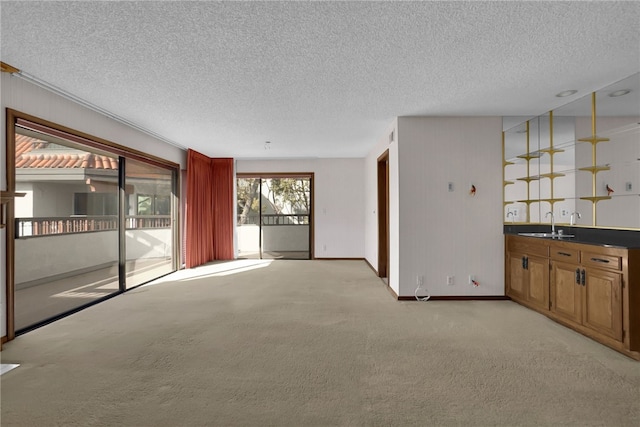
<point x="549" y="235"/>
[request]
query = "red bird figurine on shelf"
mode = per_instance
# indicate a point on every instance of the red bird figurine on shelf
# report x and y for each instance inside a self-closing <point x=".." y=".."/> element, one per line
<point x="609" y="190"/>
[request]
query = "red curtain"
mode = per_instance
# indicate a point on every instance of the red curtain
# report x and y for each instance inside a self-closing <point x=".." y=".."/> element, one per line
<point x="223" y="220"/>
<point x="209" y="210"/>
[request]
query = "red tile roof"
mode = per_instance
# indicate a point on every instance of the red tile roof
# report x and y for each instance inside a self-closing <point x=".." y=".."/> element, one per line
<point x="26" y="158"/>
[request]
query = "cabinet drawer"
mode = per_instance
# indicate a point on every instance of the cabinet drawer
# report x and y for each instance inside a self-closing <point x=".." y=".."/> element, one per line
<point x="528" y="245"/>
<point x="593" y="259"/>
<point x="565" y="254"/>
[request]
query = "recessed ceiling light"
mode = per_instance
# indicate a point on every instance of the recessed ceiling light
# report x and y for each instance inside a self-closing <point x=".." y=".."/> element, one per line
<point x="566" y="93"/>
<point x="619" y="92"/>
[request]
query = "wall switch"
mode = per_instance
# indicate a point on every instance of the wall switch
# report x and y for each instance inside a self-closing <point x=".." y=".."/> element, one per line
<point x="450" y="186"/>
<point x="449" y="280"/>
<point x="628" y="186"/>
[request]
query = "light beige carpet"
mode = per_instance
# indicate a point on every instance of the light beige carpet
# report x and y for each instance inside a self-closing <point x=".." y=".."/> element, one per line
<point x="309" y="343"/>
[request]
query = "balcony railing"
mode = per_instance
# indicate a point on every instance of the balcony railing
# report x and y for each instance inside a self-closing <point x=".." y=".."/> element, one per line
<point x="47" y="226"/>
<point x="275" y="219"/>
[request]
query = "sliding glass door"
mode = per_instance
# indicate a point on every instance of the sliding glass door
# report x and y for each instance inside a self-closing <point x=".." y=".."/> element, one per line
<point x="148" y="230"/>
<point x="274" y="216"/>
<point x="66" y="234"/>
<point x="88" y="223"/>
<point x="248" y="223"/>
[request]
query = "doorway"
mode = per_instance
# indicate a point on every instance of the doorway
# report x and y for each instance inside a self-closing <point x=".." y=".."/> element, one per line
<point x="274" y="216"/>
<point x="383" y="216"/>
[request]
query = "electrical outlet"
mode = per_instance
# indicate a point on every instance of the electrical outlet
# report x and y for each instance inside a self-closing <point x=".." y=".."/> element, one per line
<point x="450" y="280"/>
<point x="628" y="186"/>
<point x="515" y="212"/>
<point x="564" y="212"/>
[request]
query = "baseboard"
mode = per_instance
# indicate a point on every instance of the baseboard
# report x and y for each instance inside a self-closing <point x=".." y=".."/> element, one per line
<point x="386" y="285"/>
<point x="391" y="291"/>
<point x="458" y="298"/>
<point x="370" y="266"/>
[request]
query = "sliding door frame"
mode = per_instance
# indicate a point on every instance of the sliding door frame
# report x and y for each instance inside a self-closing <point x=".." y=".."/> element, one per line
<point x="268" y="175"/>
<point x="13" y="118"/>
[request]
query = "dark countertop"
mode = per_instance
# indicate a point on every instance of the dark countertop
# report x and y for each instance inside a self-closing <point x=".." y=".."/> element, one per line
<point x="626" y="239"/>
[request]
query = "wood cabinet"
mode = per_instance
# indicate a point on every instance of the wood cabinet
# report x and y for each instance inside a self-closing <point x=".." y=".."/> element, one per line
<point x="592" y="289"/>
<point x="589" y="296"/>
<point x="528" y="279"/>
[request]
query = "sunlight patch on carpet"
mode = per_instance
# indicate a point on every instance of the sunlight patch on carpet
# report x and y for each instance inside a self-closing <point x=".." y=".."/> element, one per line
<point x="6" y="367"/>
<point x="213" y="269"/>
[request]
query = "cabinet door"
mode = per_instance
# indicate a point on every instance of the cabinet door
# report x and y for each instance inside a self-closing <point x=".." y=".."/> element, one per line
<point x="516" y="287"/>
<point x="538" y="282"/>
<point x="603" y="302"/>
<point x="566" y="298"/>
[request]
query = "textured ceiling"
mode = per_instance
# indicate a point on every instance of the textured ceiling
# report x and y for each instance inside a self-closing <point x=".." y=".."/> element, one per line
<point x="317" y="79"/>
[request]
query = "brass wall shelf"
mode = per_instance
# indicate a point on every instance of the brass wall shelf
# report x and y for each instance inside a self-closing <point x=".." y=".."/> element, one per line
<point x="595" y="199"/>
<point x="560" y="161"/>
<point x="595" y="169"/>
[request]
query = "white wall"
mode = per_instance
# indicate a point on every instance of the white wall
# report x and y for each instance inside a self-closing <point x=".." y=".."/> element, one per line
<point x="451" y="233"/>
<point x="371" y="206"/>
<point x="28" y="98"/>
<point x="338" y="201"/>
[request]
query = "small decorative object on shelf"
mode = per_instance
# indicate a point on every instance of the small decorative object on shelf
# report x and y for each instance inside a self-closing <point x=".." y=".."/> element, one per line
<point x="472" y="191"/>
<point x="609" y="190"/>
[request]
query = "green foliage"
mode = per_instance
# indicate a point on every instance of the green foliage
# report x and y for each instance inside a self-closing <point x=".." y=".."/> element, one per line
<point x="291" y="195"/>
<point x="287" y="195"/>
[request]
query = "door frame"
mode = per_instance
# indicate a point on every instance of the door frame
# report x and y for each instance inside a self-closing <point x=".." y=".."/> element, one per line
<point x="267" y="175"/>
<point x="383" y="215"/>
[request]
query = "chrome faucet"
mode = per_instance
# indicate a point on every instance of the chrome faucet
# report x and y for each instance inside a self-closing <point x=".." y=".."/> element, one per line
<point x="573" y="215"/>
<point x="513" y="216"/>
<point x="553" y="222"/>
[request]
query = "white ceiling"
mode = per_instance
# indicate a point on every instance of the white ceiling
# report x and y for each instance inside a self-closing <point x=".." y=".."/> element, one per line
<point x="317" y="79"/>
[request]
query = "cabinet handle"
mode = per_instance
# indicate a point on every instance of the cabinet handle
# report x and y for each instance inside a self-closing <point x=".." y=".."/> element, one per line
<point x="578" y="276"/>
<point x="606" y="261"/>
<point x="583" y="277"/>
<point x="564" y="254"/>
<point x="523" y="264"/>
<point x="526" y="263"/>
